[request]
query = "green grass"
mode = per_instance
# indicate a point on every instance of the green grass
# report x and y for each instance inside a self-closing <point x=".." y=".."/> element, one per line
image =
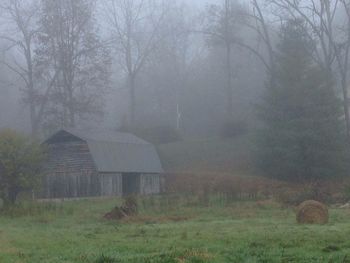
<point x="210" y="155"/>
<point x="240" y="232"/>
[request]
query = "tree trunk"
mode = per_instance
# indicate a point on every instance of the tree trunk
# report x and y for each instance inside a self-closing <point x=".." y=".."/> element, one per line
<point x="71" y="107"/>
<point x="266" y="36"/>
<point x="71" y="119"/>
<point x="33" y="122"/>
<point x="132" y="102"/>
<point x="346" y="106"/>
<point x="229" y="105"/>
<point x="30" y="86"/>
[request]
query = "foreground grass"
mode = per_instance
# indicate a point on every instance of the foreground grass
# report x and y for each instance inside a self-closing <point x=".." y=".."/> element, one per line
<point x="239" y="232"/>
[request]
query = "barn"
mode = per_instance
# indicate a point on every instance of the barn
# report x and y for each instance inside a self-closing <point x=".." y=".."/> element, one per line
<point x="103" y="163"/>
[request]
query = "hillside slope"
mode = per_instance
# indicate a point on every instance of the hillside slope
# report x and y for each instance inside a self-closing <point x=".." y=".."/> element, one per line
<point x="210" y="155"/>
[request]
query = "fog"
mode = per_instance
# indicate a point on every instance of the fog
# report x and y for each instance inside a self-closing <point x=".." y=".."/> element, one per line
<point x="191" y="66"/>
<point x="211" y="128"/>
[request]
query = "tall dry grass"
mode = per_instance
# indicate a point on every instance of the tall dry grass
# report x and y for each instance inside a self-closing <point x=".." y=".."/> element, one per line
<point x="227" y="188"/>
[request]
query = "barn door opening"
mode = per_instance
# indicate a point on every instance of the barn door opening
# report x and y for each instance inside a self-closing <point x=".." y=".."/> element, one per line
<point x="131" y="183"/>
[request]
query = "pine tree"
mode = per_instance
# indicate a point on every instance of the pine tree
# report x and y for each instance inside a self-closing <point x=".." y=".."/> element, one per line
<point x="302" y="135"/>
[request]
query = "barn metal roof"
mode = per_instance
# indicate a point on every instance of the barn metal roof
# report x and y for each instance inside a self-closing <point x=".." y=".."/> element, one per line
<point x="118" y="152"/>
<point x="107" y="136"/>
<point x="111" y="157"/>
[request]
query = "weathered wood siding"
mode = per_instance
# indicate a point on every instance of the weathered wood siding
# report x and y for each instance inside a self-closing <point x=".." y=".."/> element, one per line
<point x="71" y="185"/>
<point x="111" y="184"/>
<point x="150" y="184"/>
<point x="74" y="185"/>
<point x="82" y="185"/>
<point x="70" y="157"/>
<point x="70" y="172"/>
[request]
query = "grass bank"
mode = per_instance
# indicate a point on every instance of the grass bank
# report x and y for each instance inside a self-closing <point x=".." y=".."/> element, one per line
<point x="210" y="155"/>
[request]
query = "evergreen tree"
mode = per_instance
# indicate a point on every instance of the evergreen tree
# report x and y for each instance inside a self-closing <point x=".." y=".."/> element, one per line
<point x="302" y="135"/>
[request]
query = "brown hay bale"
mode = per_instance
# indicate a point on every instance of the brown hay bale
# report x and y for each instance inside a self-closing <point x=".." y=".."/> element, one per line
<point x="119" y="213"/>
<point x="128" y="209"/>
<point x="116" y="214"/>
<point x="312" y="212"/>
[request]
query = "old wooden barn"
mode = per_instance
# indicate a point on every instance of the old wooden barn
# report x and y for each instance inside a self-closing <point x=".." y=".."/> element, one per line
<point x="83" y="164"/>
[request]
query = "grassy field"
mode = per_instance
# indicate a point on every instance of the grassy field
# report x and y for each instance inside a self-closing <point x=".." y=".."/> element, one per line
<point x="168" y="230"/>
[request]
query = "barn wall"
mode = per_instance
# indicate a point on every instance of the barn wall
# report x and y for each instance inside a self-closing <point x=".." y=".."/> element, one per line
<point x="70" y="157"/>
<point x="74" y="185"/>
<point x="70" y="173"/>
<point x="71" y="185"/>
<point x="150" y="184"/>
<point x="111" y="184"/>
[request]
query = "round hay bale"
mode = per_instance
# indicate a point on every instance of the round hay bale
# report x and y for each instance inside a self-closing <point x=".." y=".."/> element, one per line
<point x="312" y="212"/>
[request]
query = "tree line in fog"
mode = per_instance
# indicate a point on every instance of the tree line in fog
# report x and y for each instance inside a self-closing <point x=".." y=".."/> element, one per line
<point x="157" y="63"/>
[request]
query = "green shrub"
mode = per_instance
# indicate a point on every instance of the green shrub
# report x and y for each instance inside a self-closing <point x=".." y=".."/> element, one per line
<point x="20" y="165"/>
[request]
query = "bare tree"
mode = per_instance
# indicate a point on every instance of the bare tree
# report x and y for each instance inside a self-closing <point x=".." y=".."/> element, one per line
<point x="136" y="26"/>
<point x="69" y="44"/>
<point x="342" y="53"/>
<point x="256" y="20"/>
<point x="20" y="36"/>
<point x="222" y="27"/>
<point x="333" y="38"/>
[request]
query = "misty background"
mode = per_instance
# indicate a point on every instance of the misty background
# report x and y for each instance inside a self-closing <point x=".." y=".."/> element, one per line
<point x="181" y="84"/>
<point x="179" y="68"/>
